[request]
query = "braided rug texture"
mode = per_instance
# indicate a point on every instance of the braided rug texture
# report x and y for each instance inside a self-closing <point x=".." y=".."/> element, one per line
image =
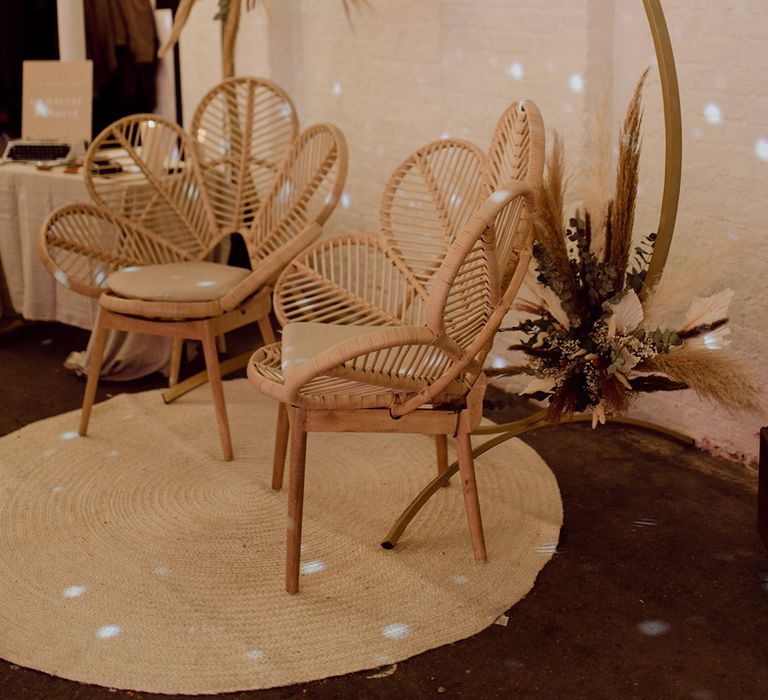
<point x="136" y="558"/>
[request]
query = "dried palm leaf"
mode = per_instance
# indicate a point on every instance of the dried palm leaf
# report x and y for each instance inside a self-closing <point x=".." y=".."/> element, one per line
<point x="182" y="15"/>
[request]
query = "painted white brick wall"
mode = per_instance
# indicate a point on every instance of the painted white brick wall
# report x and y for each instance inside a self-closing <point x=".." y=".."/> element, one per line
<point x="413" y="70"/>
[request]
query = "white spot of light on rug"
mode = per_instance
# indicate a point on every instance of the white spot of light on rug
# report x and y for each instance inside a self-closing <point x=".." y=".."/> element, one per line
<point x="255" y="655"/>
<point x="396" y="630"/>
<point x="108" y="631"/>
<point x="313" y="567"/>
<point x="69" y="435"/>
<point x="73" y="591"/>
<point x="161" y="570"/>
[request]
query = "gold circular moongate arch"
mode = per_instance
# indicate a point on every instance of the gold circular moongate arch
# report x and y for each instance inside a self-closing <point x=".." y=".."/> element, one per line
<point x="673" y="131"/>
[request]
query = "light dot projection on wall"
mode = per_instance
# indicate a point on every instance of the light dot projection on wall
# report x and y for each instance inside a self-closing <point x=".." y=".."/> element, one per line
<point x="445" y="135"/>
<point x="712" y="113"/>
<point x="73" y="591"/>
<point x="336" y="89"/>
<point x="396" y="630"/>
<point x="108" y="631"/>
<point x="515" y="70"/>
<point x="346" y="201"/>
<point x="761" y="149"/>
<point x="576" y="83"/>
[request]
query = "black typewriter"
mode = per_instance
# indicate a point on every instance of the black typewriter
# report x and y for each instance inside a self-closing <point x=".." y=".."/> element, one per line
<point x="41" y="151"/>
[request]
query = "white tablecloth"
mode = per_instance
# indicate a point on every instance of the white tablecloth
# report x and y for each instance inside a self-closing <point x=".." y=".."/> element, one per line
<point x="27" y="196"/>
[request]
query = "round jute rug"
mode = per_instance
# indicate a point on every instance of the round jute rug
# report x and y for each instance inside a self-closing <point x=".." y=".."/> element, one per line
<point x="136" y="558"/>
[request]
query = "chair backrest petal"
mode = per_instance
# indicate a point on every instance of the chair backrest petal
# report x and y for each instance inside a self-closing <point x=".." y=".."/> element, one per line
<point x="82" y="244"/>
<point x="517" y="152"/>
<point x="242" y="131"/>
<point x="429" y="199"/>
<point x="141" y="168"/>
<point x="306" y="191"/>
<point x="348" y="280"/>
<point x="467" y="304"/>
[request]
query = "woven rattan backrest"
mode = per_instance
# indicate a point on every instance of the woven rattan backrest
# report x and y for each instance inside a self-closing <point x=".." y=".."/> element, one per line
<point x="517" y="152"/>
<point x="305" y="192"/>
<point x="349" y="280"/>
<point x="242" y="131"/>
<point x="81" y="244"/>
<point x="142" y="169"/>
<point x="429" y="199"/>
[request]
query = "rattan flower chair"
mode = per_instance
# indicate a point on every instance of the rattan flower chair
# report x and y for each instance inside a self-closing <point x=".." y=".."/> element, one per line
<point x="141" y="247"/>
<point x="390" y="333"/>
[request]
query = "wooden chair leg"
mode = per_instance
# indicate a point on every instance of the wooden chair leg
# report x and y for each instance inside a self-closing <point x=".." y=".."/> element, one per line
<point x="221" y="344"/>
<point x="217" y="388"/>
<point x="176" y="349"/>
<point x="94" y="368"/>
<point x="441" y="449"/>
<point x="281" y="446"/>
<point x="471" y="500"/>
<point x="265" y="327"/>
<point x="295" y="499"/>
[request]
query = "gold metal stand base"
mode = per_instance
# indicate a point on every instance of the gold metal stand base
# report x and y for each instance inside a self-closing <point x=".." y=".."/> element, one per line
<point x="227" y="367"/>
<point x="503" y="432"/>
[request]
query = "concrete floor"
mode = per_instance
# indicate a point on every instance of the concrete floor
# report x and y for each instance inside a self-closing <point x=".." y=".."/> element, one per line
<point x="654" y="592"/>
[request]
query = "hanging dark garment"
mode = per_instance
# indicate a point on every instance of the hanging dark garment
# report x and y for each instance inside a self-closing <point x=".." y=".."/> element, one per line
<point x="121" y="40"/>
<point x="30" y="33"/>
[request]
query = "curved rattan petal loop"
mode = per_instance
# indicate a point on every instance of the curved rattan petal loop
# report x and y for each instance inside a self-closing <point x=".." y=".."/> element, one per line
<point x="81" y="244"/>
<point x="429" y="199"/>
<point x="242" y="131"/>
<point x="351" y="279"/>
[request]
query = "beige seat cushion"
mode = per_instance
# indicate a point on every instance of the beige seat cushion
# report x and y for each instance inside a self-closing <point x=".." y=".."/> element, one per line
<point x="302" y="341"/>
<point x="176" y="282"/>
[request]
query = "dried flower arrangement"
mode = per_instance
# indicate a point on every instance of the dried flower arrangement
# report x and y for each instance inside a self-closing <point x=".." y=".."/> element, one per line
<point x="586" y="343"/>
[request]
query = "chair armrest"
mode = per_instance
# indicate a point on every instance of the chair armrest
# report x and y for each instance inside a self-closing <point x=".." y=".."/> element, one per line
<point x="80" y="244"/>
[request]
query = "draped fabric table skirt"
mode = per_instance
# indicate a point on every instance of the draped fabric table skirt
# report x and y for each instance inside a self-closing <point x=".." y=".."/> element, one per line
<point x="27" y="196"/>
